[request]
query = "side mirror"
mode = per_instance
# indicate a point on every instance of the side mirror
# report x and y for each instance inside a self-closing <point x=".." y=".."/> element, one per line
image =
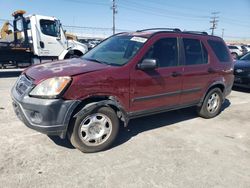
<point x="58" y="29"/>
<point x="148" y="64"/>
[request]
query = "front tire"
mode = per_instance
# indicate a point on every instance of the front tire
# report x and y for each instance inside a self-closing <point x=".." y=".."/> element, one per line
<point x="94" y="131"/>
<point x="211" y="105"/>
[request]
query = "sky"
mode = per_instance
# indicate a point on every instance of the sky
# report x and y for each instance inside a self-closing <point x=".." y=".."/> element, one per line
<point x="234" y="16"/>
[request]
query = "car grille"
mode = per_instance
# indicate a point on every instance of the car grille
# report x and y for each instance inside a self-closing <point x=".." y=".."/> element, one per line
<point x="23" y="84"/>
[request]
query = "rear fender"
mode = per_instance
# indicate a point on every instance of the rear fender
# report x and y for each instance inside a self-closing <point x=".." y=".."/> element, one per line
<point x="213" y="86"/>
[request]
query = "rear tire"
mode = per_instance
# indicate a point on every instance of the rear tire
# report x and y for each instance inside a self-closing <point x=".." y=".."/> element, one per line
<point x="94" y="131"/>
<point x="211" y="105"/>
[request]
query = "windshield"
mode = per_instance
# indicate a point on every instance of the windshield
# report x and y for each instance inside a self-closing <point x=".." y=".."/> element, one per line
<point x="246" y="57"/>
<point x="117" y="50"/>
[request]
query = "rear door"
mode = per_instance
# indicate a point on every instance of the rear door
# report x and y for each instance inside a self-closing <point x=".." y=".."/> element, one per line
<point x="153" y="90"/>
<point x="197" y="70"/>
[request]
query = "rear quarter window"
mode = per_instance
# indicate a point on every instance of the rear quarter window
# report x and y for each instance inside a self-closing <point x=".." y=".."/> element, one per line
<point x="220" y="50"/>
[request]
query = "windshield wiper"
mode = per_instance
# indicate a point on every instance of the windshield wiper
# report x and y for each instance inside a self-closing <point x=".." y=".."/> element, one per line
<point x="95" y="60"/>
<point x="101" y="62"/>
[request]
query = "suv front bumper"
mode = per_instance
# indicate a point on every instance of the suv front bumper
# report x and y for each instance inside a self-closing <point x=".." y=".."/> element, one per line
<point x="48" y="116"/>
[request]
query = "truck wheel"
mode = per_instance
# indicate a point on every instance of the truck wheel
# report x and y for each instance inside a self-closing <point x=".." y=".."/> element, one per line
<point x="211" y="105"/>
<point x="95" y="131"/>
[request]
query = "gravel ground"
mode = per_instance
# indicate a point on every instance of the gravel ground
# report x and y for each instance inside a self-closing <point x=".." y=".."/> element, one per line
<point x="174" y="149"/>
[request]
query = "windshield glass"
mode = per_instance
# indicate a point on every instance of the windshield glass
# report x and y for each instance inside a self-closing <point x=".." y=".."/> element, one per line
<point x="246" y="57"/>
<point x="117" y="50"/>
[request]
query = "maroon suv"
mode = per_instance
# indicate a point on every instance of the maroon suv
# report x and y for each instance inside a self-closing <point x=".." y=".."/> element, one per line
<point x="128" y="75"/>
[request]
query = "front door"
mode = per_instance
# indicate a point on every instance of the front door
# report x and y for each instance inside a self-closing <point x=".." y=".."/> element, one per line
<point x="51" y="40"/>
<point x="160" y="88"/>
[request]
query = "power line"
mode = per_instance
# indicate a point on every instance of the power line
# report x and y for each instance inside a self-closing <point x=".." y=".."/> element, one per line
<point x="156" y="10"/>
<point x="169" y="5"/>
<point x="159" y="13"/>
<point x="214" y="21"/>
<point x="86" y="1"/>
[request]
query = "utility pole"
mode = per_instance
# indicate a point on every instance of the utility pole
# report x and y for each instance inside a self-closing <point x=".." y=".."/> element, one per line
<point x="114" y="10"/>
<point x="214" y="21"/>
<point x="222" y="36"/>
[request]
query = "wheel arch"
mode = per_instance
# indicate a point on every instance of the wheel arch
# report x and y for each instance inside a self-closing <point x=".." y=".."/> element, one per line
<point x="73" y="52"/>
<point x="93" y="102"/>
<point x="217" y="84"/>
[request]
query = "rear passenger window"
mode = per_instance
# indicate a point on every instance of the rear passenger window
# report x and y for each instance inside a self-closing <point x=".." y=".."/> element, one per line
<point x="233" y="47"/>
<point x="220" y="50"/>
<point x="195" y="52"/>
<point x="165" y="51"/>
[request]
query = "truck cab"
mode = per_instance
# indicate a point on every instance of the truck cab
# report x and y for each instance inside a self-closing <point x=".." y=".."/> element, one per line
<point x="40" y="38"/>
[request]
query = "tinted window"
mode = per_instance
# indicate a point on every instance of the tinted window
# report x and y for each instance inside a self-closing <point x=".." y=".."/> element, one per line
<point x="243" y="47"/>
<point x="49" y="27"/>
<point x="165" y="51"/>
<point x="220" y="50"/>
<point x="195" y="53"/>
<point x="233" y="47"/>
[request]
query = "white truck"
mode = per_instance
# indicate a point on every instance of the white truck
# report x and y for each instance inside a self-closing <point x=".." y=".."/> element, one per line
<point x="37" y="39"/>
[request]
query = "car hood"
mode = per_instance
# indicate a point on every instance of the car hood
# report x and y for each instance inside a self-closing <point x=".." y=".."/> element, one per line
<point x="242" y="64"/>
<point x="68" y="67"/>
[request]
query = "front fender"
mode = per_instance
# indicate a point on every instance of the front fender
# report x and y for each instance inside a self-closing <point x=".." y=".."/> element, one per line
<point x="109" y="103"/>
<point x="63" y="54"/>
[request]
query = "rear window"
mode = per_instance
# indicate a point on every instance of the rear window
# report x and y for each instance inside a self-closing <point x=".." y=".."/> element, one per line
<point x="243" y="47"/>
<point x="233" y="47"/>
<point x="220" y="50"/>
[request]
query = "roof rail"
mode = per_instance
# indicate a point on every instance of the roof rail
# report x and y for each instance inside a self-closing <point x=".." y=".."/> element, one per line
<point x="160" y="29"/>
<point x="196" y="32"/>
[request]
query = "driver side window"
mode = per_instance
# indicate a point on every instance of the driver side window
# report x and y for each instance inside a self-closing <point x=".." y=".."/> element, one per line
<point x="165" y="51"/>
<point x="49" y="27"/>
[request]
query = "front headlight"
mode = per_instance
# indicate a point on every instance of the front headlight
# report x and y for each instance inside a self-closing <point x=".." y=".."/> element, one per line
<point x="51" y="87"/>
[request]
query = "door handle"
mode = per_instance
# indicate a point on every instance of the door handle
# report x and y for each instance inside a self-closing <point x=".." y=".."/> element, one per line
<point x="176" y="74"/>
<point x="41" y="44"/>
<point x="211" y="70"/>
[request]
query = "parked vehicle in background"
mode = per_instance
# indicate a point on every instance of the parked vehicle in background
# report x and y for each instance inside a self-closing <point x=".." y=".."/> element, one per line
<point x="90" y="43"/>
<point x="85" y="42"/>
<point x="247" y="47"/>
<point x="128" y="75"/>
<point x="93" y="43"/>
<point x="37" y="39"/>
<point x="237" y="50"/>
<point x="242" y="72"/>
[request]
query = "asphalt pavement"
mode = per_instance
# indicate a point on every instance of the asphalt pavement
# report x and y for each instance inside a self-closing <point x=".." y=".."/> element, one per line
<point x="173" y="149"/>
